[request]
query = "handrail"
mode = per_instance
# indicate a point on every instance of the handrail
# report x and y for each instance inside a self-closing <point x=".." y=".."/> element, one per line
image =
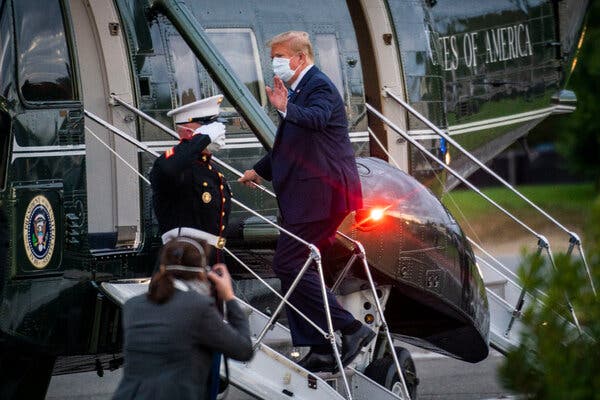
<point x="117" y="155"/>
<point x="516" y="309"/>
<point x="275" y="292"/>
<point x="573" y="237"/>
<point x="454" y="143"/>
<point x="362" y="254"/>
<point x="502" y="266"/>
<point x="508" y="279"/>
<point x="542" y="241"/>
<point x="453" y="172"/>
<point x="314" y="255"/>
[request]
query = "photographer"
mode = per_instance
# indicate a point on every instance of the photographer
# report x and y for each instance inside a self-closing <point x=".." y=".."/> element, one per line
<point x="171" y="333"/>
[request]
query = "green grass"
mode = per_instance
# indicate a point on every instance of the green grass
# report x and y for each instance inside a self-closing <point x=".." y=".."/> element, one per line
<point x="570" y="204"/>
<point x="564" y="198"/>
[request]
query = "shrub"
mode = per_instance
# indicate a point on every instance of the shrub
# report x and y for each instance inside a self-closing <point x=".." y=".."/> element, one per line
<point x="553" y="360"/>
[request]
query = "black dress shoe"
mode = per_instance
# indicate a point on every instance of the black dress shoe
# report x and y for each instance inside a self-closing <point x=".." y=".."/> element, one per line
<point x="315" y="362"/>
<point x="352" y="344"/>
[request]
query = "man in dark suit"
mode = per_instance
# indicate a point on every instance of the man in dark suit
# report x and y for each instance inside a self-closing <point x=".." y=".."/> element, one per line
<point x="314" y="175"/>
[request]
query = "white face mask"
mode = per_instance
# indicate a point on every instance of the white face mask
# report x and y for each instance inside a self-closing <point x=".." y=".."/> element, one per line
<point x="281" y="68"/>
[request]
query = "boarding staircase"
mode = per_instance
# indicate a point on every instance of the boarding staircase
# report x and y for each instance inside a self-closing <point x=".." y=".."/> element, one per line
<point x="273" y="372"/>
<point x="507" y="297"/>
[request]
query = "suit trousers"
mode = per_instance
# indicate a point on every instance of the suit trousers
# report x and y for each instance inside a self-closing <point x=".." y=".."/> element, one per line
<point x="290" y="256"/>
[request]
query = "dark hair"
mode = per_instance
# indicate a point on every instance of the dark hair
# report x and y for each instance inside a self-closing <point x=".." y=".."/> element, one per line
<point x="178" y="251"/>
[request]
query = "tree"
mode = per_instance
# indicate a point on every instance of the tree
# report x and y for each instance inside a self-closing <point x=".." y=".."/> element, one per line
<point x="579" y="138"/>
<point x="553" y="361"/>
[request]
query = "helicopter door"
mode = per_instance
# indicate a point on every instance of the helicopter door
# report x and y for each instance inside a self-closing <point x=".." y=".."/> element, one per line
<point x="113" y="189"/>
<point x="4" y="142"/>
<point x="6" y="82"/>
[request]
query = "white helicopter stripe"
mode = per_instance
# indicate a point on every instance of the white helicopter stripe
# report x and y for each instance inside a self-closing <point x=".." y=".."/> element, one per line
<point x="422" y="134"/>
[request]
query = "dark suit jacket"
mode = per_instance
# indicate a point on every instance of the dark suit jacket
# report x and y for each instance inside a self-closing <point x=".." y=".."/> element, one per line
<point x="168" y="347"/>
<point x="312" y="162"/>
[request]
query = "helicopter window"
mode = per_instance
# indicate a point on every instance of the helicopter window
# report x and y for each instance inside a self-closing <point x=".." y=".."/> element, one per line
<point x="145" y="86"/>
<point x="44" y="65"/>
<point x="238" y="46"/>
<point x="329" y="59"/>
<point x="186" y="74"/>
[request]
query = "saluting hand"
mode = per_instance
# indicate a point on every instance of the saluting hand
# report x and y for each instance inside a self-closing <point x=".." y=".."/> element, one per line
<point x="216" y="132"/>
<point x="250" y="178"/>
<point x="278" y="95"/>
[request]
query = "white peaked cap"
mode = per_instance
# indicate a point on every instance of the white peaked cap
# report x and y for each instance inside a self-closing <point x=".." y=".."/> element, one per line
<point x="199" y="109"/>
<point x="193" y="233"/>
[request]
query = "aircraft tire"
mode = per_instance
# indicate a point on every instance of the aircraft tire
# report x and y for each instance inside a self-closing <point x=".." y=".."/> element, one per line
<point x="383" y="371"/>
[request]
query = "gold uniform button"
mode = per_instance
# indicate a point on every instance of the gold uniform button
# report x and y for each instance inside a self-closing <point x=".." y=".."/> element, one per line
<point x="223" y="200"/>
<point x="206" y="197"/>
<point x="220" y="175"/>
<point x="203" y="158"/>
<point x="222" y="227"/>
<point x="205" y="184"/>
<point x="223" y="214"/>
<point x="221" y="187"/>
<point x="210" y="167"/>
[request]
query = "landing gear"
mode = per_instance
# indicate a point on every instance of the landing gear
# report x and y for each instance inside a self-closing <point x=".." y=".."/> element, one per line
<point x="383" y="371"/>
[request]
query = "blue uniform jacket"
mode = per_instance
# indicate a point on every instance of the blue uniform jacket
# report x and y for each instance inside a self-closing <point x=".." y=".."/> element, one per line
<point x="187" y="190"/>
<point x="312" y="162"/>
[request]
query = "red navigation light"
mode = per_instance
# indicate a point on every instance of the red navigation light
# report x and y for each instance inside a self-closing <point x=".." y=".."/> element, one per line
<point x="368" y="219"/>
<point x="376" y="214"/>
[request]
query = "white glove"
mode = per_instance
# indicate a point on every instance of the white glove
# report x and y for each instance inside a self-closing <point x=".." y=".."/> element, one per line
<point x="216" y="132"/>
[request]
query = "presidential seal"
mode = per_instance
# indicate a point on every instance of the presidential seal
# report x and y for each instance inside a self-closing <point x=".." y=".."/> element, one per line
<point x="39" y="231"/>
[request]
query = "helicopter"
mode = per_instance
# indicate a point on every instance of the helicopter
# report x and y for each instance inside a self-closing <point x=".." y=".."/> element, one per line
<point x="74" y="215"/>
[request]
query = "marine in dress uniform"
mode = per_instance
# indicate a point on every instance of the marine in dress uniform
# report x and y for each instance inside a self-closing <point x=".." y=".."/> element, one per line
<point x="187" y="188"/>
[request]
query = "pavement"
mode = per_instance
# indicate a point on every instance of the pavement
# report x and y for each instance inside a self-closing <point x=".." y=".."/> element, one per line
<point x="445" y="378"/>
<point x="440" y="378"/>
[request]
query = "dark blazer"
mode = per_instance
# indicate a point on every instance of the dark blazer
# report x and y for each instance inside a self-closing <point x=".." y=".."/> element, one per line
<point x="312" y="162"/>
<point x="168" y="347"/>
